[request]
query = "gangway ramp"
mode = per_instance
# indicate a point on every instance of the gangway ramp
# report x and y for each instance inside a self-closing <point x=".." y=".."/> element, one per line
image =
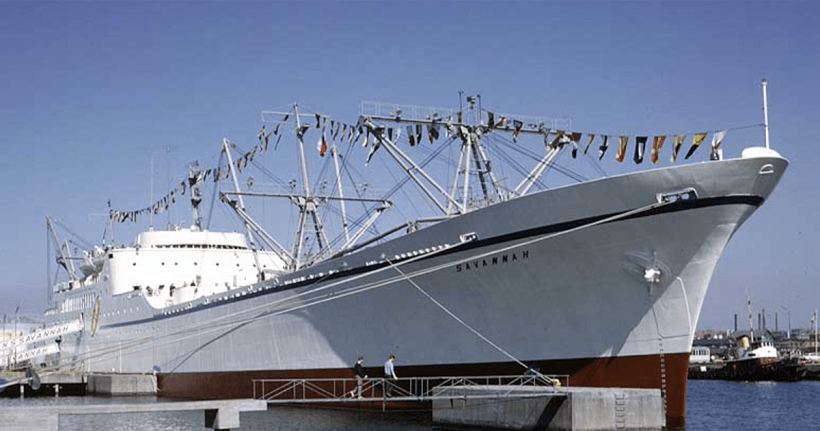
<point x="404" y="389"/>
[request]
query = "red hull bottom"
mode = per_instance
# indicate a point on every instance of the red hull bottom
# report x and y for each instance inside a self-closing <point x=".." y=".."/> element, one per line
<point x="667" y="373"/>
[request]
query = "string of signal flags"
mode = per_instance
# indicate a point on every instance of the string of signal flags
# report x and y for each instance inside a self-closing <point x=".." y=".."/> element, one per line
<point x="340" y="131"/>
<point x="574" y="139"/>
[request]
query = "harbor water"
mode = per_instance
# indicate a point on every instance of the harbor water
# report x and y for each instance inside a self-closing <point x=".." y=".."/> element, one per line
<point x="735" y="406"/>
<point x="711" y="405"/>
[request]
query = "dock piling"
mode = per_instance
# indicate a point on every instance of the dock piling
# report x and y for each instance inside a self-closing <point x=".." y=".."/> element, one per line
<point x="222" y="419"/>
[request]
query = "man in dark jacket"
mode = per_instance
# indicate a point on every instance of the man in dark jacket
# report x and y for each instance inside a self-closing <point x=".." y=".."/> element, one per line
<point x="360" y="376"/>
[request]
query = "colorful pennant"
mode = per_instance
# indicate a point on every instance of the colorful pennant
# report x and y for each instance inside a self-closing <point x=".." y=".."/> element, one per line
<point x="696" y="141"/>
<point x="623" y="142"/>
<point x="657" y="143"/>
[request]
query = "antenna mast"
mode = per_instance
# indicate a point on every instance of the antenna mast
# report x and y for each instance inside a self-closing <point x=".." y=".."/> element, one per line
<point x="749" y="308"/>
<point x="765" y="114"/>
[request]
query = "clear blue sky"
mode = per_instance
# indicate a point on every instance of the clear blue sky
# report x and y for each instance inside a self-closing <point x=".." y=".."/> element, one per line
<point x="92" y="91"/>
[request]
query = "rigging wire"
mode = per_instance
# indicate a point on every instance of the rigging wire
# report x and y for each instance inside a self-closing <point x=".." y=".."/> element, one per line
<point x="597" y="166"/>
<point x="85" y="244"/>
<point x="552" y="165"/>
<point x="396" y="187"/>
<point x="517" y="166"/>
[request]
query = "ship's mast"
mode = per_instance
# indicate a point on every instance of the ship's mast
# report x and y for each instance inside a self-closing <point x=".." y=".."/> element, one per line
<point x="297" y="240"/>
<point x="334" y="153"/>
<point x="240" y="205"/>
<point x="306" y="202"/>
<point x="472" y="148"/>
<point x="196" y="196"/>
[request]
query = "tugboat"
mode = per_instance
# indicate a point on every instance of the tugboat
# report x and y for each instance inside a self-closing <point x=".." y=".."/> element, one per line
<point x="752" y="362"/>
<point x="760" y="361"/>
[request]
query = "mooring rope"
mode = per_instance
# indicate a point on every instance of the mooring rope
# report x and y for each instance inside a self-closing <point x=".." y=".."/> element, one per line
<point x="476" y="332"/>
<point x="463" y="323"/>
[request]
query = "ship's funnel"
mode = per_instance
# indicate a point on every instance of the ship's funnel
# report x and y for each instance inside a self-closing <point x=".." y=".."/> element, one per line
<point x="742" y="346"/>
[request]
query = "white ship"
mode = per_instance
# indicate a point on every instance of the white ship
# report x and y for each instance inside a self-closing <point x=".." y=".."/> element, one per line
<point x="602" y="280"/>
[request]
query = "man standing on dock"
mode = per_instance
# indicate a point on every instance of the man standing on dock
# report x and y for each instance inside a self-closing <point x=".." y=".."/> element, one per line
<point x="360" y="376"/>
<point x="389" y="372"/>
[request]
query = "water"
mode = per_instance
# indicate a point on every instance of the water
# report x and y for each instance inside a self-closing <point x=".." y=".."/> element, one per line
<point x="712" y="405"/>
<point x="735" y="406"/>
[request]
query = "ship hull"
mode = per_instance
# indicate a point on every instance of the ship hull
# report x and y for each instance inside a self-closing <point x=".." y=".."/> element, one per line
<point x="559" y="278"/>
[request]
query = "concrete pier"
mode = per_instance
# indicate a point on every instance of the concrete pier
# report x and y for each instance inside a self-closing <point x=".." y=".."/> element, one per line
<point x="219" y="414"/>
<point x="121" y="384"/>
<point x="542" y="408"/>
<point x="66" y="378"/>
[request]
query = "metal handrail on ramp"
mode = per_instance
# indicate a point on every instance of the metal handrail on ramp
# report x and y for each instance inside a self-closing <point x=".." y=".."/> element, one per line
<point x="406" y="389"/>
